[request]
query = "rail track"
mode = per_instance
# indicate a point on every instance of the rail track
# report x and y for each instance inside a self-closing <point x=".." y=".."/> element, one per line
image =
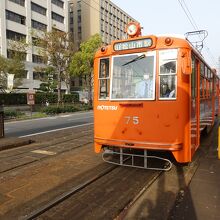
<point x="38" y="212"/>
<point x="60" y="207"/>
<point x="99" y="191"/>
<point x="17" y="156"/>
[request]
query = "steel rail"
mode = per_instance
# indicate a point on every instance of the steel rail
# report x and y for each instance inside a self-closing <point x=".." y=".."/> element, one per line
<point x="36" y="160"/>
<point x="66" y="195"/>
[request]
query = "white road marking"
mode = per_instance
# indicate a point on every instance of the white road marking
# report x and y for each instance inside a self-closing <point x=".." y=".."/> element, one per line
<point x="59" y="129"/>
<point x="45" y="118"/>
<point x="52" y="118"/>
<point x="74" y="119"/>
<point x="50" y="153"/>
<point x="65" y="116"/>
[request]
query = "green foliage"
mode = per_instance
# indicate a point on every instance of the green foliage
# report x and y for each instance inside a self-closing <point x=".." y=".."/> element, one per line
<point x="15" y="66"/>
<point x="57" y="49"/>
<point x="51" y="110"/>
<point x="48" y="78"/>
<point x="71" y="98"/>
<point x="11" y="66"/>
<point x="42" y="98"/>
<point x="13" y="98"/>
<point x="12" y="114"/>
<point x="82" y="61"/>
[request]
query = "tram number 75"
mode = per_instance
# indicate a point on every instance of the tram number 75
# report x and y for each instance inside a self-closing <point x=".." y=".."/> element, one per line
<point x="132" y="119"/>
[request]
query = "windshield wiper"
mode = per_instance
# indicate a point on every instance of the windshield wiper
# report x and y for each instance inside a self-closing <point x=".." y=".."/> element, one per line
<point x="135" y="59"/>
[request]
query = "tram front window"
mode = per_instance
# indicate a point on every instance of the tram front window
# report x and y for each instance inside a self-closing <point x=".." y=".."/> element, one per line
<point x="133" y="77"/>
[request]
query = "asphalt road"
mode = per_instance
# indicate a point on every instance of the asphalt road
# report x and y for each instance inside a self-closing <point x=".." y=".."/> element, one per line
<point x="28" y="128"/>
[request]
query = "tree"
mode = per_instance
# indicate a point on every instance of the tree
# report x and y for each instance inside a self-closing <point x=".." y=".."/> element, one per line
<point x="49" y="82"/>
<point x="83" y="60"/>
<point x="56" y="49"/>
<point x="3" y="73"/>
<point x="14" y="65"/>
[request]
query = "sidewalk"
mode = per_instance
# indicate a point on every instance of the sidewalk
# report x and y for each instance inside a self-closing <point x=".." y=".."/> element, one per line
<point x="201" y="200"/>
<point x="190" y="192"/>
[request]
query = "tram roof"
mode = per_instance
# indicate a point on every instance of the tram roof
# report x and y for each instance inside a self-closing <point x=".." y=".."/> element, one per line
<point x="181" y="36"/>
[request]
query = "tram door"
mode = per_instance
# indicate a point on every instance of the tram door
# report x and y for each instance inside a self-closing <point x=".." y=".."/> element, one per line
<point x="195" y="133"/>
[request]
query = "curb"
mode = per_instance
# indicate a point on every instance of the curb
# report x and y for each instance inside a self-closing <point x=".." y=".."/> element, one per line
<point x="15" y="143"/>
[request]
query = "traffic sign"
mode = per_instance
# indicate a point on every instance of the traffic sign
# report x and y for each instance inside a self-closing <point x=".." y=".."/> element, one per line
<point x="30" y="98"/>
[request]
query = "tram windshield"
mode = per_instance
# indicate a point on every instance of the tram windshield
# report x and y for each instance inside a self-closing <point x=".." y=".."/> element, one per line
<point x="133" y="77"/>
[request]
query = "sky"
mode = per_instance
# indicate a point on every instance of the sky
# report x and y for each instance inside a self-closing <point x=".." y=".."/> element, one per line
<point x="168" y="17"/>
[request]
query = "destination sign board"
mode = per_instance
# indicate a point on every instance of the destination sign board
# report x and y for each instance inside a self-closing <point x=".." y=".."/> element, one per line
<point x="134" y="44"/>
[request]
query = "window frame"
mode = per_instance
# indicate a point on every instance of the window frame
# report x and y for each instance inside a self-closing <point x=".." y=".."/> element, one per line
<point x="172" y="74"/>
<point x="105" y="78"/>
<point x="12" y="16"/>
<point x="147" y="53"/>
<point x="38" y="9"/>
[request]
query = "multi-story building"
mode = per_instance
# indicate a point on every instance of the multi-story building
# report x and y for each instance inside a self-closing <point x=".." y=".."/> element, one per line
<point x="89" y="17"/>
<point x="18" y="20"/>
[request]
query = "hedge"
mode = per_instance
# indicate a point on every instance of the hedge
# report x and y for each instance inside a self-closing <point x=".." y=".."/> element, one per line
<point x="71" y="98"/>
<point x="50" y="110"/>
<point x="40" y="98"/>
<point x="13" y="98"/>
<point x="12" y="114"/>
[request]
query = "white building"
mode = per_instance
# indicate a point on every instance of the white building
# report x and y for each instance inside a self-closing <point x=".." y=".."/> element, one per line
<point x="18" y="18"/>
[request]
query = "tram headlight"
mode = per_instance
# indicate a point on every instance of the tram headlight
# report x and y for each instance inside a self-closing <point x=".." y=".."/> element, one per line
<point x="168" y="41"/>
<point x="103" y="49"/>
<point x="133" y="29"/>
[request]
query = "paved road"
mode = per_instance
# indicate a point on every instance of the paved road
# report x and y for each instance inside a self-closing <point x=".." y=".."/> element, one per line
<point x="44" y="125"/>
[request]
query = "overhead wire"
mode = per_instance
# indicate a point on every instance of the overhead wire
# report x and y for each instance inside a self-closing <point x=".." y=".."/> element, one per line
<point x="183" y="6"/>
<point x="106" y="15"/>
<point x="193" y="23"/>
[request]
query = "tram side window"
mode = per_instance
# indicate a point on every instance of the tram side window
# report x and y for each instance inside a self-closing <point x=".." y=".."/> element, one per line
<point x="202" y="80"/>
<point x="104" y="80"/>
<point x="215" y="86"/>
<point x="206" y="82"/>
<point x="194" y="78"/>
<point x="168" y="73"/>
<point x="201" y="86"/>
<point x="210" y="82"/>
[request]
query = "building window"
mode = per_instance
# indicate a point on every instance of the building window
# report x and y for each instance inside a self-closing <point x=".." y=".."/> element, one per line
<point x="22" y="75"/>
<point x="38" y="9"/>
<point x="19" y="2"/>
<point x="79" y="16"/>
<point x="57" y="17"/>
<point x="78" y="5"/>
<point x="37" y="59"/>
<point x="71" y="18"/>
<point x="38" y="25"/>
<point x="59" y="3"/>
<point x="15" y="35"/>
<point x="11" y="54"/>
<point x="15" y="17"/>
<point x="39" y="75"/>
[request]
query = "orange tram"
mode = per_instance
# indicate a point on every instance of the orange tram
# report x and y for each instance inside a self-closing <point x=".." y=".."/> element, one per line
<point x="154" y="94"/>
